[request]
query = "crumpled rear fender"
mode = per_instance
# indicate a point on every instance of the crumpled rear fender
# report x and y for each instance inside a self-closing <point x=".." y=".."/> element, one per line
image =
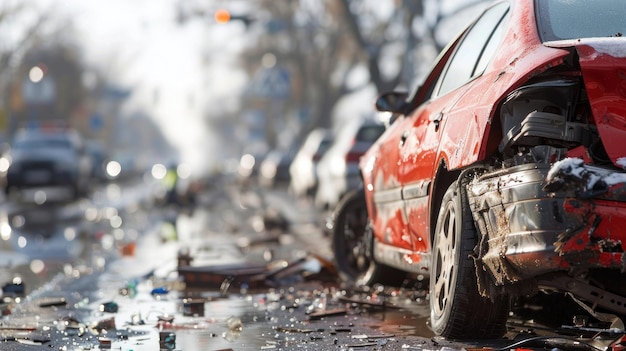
<point x="475" y="139"/>
<point x="536" y="219"/>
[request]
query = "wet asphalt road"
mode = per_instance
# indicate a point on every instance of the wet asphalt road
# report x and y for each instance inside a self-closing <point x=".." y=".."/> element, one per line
<point x="107" y="277"/>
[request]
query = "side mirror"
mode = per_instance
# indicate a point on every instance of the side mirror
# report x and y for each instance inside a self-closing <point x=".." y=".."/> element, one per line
<point x="392" y="102"/>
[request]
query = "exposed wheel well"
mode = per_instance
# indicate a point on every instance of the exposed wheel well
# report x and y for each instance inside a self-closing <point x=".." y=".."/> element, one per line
<point x="442" y="180"/>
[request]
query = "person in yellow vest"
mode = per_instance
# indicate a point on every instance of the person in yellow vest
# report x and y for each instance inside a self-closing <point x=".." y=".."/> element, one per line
<point x="170" y="182"/>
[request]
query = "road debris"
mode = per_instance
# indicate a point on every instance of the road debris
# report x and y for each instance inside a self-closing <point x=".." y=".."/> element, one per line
<point x="225" y="293"/>
<point x="255" y="275"/>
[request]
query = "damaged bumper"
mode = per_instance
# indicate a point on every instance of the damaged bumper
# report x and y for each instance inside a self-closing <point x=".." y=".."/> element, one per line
<point x="535" y="219"/>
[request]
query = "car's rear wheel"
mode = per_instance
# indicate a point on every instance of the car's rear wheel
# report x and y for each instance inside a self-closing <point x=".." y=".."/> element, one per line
<point x="457" y="310"/>
<point x="352" y="244"/>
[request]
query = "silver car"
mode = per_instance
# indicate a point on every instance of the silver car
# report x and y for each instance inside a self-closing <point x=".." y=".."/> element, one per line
<point x="48" y="159"/>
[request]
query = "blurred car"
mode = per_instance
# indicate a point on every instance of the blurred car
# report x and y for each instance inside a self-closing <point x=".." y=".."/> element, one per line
<point x="99" y="159"/>
<point x="274" y="169"/>
<point x="53" y="158"/>
<point x="338" y="170"/>
<point x="303" y="168"/>
<point x="504" y="175"/>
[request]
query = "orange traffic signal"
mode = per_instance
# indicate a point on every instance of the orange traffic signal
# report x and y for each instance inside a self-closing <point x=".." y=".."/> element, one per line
<point x="222" y="16"/>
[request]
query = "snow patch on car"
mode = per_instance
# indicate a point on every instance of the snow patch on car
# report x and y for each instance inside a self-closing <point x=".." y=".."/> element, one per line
<point x="574" y="169"/>
<point x="614" y="46"/>
<point x="570" y="166"/>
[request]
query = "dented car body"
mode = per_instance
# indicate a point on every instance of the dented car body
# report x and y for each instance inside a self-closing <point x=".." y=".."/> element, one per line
<point x="505" y="173"/>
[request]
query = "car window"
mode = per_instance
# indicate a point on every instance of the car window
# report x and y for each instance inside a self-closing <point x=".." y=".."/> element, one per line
<point x="369" y="133"/>
<point x="43" y="144"/>
<point x="324" y="146"/>
<point x="593" y="19"/>
<point x="492" y="45"/>
<point x="475" y="50"/>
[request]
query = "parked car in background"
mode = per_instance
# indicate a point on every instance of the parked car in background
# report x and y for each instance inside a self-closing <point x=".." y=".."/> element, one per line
<point x="338" y="170"/>
<point x="505" y="173"/>
<point x="96" y="151"/>
<point x="303" y="168"/>
<point x="48" y="158"/>
<point x="274" y="168"/>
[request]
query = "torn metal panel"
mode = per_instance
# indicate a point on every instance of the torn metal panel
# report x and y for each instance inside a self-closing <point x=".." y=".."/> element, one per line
<point x="537" y="218"/>
<point x="517" y="220"/>
<point x="602" y="64"/>
<point x="598" y="195"/>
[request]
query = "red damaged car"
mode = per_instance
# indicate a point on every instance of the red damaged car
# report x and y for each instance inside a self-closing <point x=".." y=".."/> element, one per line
<point x="504" y="173"/>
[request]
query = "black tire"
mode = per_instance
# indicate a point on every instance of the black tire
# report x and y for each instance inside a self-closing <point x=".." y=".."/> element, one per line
<point x="352" y="244"/>
<point x="457" y="310"/>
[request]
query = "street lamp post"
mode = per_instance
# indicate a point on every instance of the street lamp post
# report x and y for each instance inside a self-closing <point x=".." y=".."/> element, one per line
<point x="37" y="89"/>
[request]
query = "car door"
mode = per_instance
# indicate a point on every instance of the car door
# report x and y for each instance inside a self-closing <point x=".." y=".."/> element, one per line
<point x="450" y="105"/>
<point x="387" y="162"/>
<point x="387" y="218"/>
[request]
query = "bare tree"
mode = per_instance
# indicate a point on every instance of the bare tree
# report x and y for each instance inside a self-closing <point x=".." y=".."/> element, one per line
<point x="313" y="45"/>
<point x="11" y="51"/>
<point x="330" y="39"/>
<point x="321" y="44"/>
<point x="414" y="30"/>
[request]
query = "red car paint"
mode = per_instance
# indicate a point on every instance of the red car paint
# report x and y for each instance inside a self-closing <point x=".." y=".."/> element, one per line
<point x="410" y="153"/>
<point x="536" y="140"/>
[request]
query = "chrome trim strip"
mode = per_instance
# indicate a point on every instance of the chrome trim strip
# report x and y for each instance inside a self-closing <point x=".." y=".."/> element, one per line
<point x="390" y="195"/>
<point x="411" y="191"/>
<point x="394" y="257"/>
<point x="416" y="190"/>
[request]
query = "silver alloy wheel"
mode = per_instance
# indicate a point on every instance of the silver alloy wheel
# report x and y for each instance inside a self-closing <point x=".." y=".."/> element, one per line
<point x="445" y="251"/>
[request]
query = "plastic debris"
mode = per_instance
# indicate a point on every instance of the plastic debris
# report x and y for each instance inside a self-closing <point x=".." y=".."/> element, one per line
<point x="109" y="307"/>
<point x="234" y="324"/>
<point x="161" y="291"/>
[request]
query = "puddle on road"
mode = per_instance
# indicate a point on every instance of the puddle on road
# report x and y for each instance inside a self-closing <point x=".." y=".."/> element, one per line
<point x="402" y="322"/>
<point x="279" y="320"/>
<point x="269" y="319"/>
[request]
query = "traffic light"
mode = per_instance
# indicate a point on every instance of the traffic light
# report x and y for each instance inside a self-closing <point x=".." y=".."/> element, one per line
<point x="222" y="16"/>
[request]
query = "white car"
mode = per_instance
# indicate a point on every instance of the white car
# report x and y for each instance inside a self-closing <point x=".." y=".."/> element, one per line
<point x="303" y="169"/>
<point x="338" y="170"/>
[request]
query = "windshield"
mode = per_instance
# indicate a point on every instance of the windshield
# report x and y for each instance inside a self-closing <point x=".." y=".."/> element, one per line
<point x="573" y="19"/>
<point x="37" y="144"/>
